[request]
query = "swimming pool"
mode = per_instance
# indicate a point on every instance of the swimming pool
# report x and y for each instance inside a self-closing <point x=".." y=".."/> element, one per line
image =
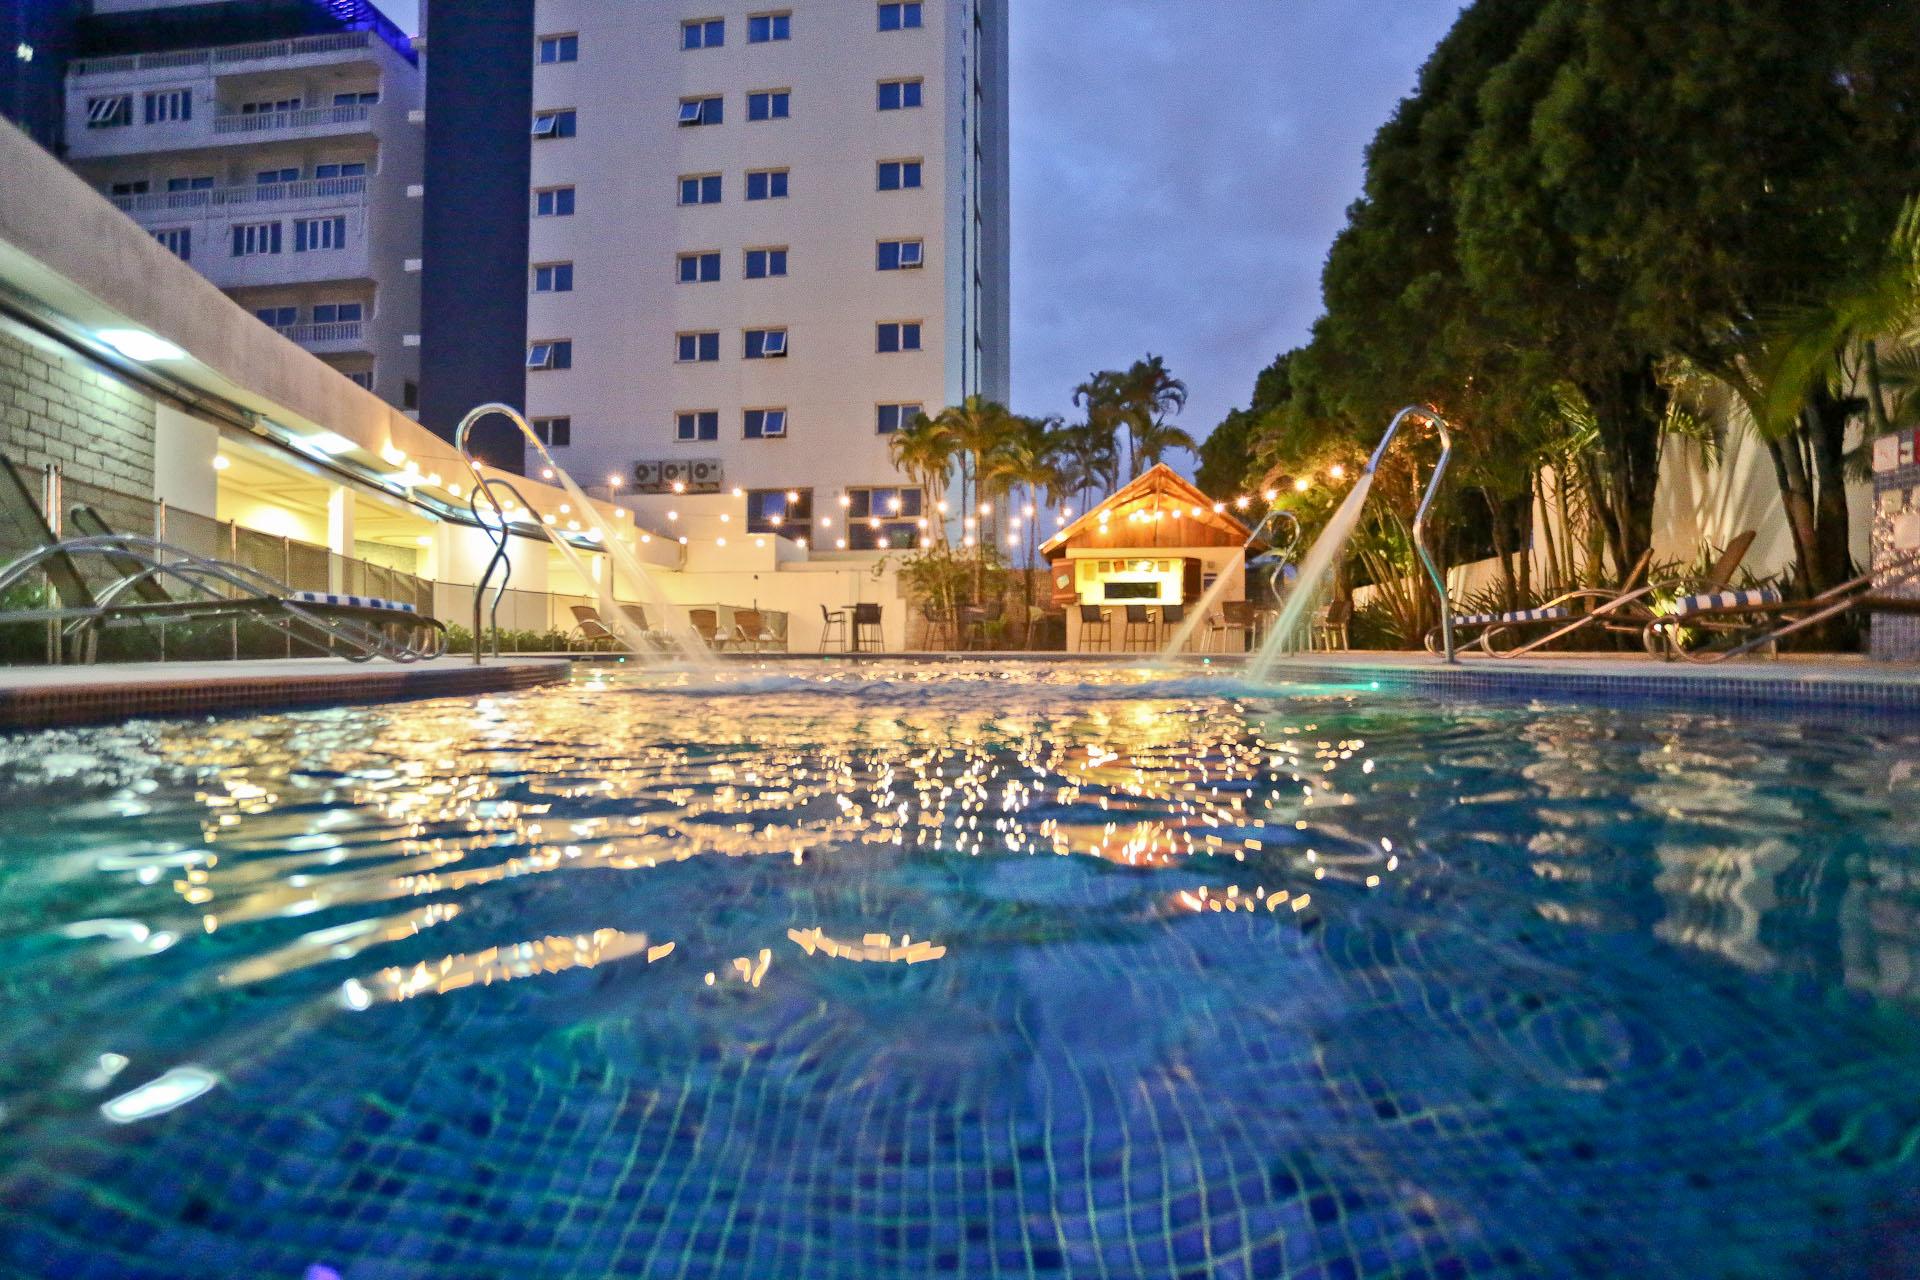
<point x="960" y="970"/>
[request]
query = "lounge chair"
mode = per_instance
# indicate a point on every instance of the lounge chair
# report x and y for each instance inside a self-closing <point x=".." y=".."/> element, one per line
<point x="589" y="630"/>
<point x="1682" y="622"/>
<point x="706" y="625"/>
<point x="149" y="582"/>
<point x="750" y="628"/>
<point x="653" y="635"/>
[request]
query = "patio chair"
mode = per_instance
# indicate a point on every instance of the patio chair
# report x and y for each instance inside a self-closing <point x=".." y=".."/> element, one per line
<point x="866" y="624"/>
<point x="1139" y="626"/>
<point x="152" y="582"/>
<point x="983" y="624"/>
<point x="589" y="630"/>
<point x="1626" y="610"/>
<point x="832" y="621"/>
<point x="1330" y="623"/>
<point x="1680" y="623"/>
<point x="706" y="625"/>
<point x="1096" y="625"/>
<point x="1233" y="615"/>
<point x="653" y="635"/>
<point x="750" y="627"/>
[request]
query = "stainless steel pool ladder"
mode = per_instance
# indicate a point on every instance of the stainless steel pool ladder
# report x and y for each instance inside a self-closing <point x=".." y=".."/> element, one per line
<point x="1431" y="415"/>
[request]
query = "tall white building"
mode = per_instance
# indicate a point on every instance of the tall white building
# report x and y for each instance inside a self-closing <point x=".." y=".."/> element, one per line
<point x="762" y="237"/>
<point x="286" y="170"/>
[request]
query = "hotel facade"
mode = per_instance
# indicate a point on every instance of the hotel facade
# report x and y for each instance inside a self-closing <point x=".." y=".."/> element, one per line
<point x="761" y="239"/>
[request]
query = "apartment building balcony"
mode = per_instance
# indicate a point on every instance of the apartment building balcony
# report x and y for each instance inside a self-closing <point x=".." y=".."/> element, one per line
<point x="311" y="195"/>
<point x="294" y="53"/>
<point x="342" y="337"/>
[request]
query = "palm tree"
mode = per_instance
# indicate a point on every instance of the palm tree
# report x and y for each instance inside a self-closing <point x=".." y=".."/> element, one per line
<point x="977" y="426"/>
<point x="1089" y="461"/>
<point x="1146" y="395"/>
<point x="1027" y="457"/>
<point x="923" y="450"/>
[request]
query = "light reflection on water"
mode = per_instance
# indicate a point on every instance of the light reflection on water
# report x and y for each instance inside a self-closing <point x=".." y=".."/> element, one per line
<point x="1182" y="972"/>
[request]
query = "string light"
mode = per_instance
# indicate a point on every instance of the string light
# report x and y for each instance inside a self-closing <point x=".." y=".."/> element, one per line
<point x="1271" y="494"/>
<point x="1337" y="471"/>
<point x="1302" y="485"/>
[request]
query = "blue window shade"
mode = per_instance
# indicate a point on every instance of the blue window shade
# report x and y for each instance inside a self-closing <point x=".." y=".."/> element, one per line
<point x="898" y="175"/>
<point x="900" y="17"/>
<point x="892" y="417"/>
<point x="769" y="26"/>
<point x="898" y="255"/>
<point x="555" y="278"/>
<point x="335" y="312"/>
<point x="702" y="347"/>
<point x="282" y="317"/>
<point x="698" y="424"/>
<point x="762" y="263"/>
<point x="701" y="190"/>
<point x="768" y="105"/>
<point x="556" y="203"/>
<point x="898" y="336"/>
<point x="898" y="94"/>
<point x="710" y="34"/>
<point x="766" y="424"/>
<point x="767" y="184"/>
<point x="270" y="177"/>
<point x="699" y="268"/>
<point x="560" y="49"/>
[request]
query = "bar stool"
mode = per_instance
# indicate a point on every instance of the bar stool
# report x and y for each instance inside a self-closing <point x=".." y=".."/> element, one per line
<point x="1171" y="616"/>
<point x="866" y="620"/>
<point x="1094" y="619"/>
<point x="1139" y="625"/>
<point x="832" y="620"/>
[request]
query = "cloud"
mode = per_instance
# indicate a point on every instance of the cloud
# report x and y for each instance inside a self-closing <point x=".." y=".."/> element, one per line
<point x="1179" y="171"/>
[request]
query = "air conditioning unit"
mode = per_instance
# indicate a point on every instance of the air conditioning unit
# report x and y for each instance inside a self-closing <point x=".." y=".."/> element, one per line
<point x="691" y="475"/>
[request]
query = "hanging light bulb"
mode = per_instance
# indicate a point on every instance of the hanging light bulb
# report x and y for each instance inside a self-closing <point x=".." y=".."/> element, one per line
<point x="1302" y="485"/>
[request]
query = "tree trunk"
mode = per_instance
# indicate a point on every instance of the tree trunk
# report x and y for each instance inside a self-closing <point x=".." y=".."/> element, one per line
<point x="1629" y="411"/>
<point x="1791" y="476"/>
<point x="1501" y="545"/>
<point x="1827" y="430"/>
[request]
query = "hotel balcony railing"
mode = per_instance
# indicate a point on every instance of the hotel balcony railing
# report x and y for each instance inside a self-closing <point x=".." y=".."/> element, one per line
<point x="224" y="56"/>
<point x="330" y="190"/>
<point x="305" y="117"/>
<point x="322" y="335"/>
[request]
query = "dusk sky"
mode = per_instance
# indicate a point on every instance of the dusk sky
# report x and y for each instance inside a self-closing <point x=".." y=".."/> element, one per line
<point x="1178" y="173"/>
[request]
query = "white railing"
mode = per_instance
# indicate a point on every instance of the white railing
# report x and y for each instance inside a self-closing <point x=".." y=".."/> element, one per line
<point x="268" y="121"/>
<point x="334" y="190"/>
<point x="261" y="51"/>
<point x="313" y="335"/>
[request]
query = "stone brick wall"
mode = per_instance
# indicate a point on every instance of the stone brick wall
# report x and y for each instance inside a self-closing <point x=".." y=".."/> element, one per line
<point x="1896" y="505"/>
<point x="55" y="408"/>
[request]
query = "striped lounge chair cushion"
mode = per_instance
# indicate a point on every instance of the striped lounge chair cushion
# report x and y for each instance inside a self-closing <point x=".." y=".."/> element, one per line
<point x="352" y="602"/>
<point x="1724" y="600"/>
<point x="1525" y="615"/>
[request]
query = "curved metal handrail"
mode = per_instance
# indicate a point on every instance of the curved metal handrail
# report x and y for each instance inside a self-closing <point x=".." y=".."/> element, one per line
<point x="1431" y="415"/>
<point x="499" y="560"/>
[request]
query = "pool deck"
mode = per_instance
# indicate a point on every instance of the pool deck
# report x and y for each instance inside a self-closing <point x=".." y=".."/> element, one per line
<point x="43" y="697"/>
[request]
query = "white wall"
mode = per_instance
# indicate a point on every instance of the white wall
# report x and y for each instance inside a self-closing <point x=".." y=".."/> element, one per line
<point x="183" y="452"/>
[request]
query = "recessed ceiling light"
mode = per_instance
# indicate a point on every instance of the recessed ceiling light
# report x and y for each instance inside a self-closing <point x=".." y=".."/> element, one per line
<point x="138" y="344"/>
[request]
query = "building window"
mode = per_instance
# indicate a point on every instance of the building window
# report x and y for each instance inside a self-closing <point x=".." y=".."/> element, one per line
<point x="362" y="378"/>
<point x="696" y="425"/>
<point x="889" y="418"/>
<point x="699" y="111"/>
<point x="555" y="433"/>
<point x="701" y="188"/>
<point x="338" y="313"/>
<point x="560" y="48"/>
<point x="898" y="95"/>
<point x="252" y="238"/>
<point x="555" y="124"/>
<point x="766" y="344"/>
<point x="763" y="263"/>
<point x="900" y="17"/>
<point x="200" y="183"/>
<point x="552" y="353"/>
<point x="898" y="335"/>
<point x="703" y="33"/>
<point x="766" y="184"/>
<point x="768" y="104"/>
<point x="779" y="511"/>
<point x="899" y="255"/>
<point x="699" y="268"/>
<point x="353" y="169"/>
<point x="765" y="424"/>
<point x="167" y="105"/>
<point x="878" y="518"/>
<point x="138" y="188"/>
<point x="110" y="112"/>
<point x="310" y="234"/>
<point x="899" y="175"/>
<point x="176" y="240"/>
<point x="269" y="106"/>
<point x="553" y="277"/>
<point x="697" y="348"/>
<point x="553" y="202"/>
<point x="364" y="98"/>
<point x="274" y="177"/>
<point x="277" y="317"/>
<point x="765" y="27"/>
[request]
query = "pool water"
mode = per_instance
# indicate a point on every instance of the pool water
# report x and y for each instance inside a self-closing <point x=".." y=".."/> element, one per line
<point x="1018" y="971"/>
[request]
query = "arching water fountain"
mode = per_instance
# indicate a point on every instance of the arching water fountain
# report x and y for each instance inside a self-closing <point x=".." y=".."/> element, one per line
<point x="1317" y="568"/>
<point x="663" y="616"/>
<point x="1201" y="611"/>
